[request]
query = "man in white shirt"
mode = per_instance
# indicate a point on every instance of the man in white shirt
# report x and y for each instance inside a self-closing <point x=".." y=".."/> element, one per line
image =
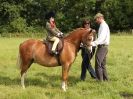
<point x="102" y="42"/>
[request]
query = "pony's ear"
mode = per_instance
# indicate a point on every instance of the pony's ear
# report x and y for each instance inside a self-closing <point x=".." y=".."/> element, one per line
<point x="90" y="30"/>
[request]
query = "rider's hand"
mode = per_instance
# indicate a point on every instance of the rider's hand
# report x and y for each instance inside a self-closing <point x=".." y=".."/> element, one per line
<point x="61" y="33"/>
<point x="58" y="34"/>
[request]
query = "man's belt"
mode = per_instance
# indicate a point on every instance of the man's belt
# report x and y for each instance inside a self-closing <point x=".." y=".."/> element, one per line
<point x="102" y="45"/>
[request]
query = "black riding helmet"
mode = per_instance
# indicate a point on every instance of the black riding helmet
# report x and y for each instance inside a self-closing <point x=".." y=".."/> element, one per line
<point x="50" y="14"/>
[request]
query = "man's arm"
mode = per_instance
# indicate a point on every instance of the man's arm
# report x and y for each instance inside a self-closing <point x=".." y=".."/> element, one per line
<point x="101" y="36"/>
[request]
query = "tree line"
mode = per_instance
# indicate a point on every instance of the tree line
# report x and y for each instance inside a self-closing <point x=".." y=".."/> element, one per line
<point x="29" y="15"/>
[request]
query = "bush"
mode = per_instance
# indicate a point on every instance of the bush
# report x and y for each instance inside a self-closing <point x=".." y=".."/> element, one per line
<point x="4" y="29"/>
<point x="18" y="25"/>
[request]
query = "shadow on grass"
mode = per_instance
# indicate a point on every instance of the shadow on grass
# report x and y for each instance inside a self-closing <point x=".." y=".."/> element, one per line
<point x="8" y="81"/>
<point x="126" y="95"/>
<point x="40" y="79"/>
<point x="55" y="80"/>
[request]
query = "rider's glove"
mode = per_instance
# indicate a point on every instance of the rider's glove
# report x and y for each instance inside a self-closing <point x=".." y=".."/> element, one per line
<point x="61" y="33"/>
<point x="58" y="34"/>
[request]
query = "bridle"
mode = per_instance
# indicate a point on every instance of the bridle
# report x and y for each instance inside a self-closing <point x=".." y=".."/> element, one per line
<point x="85" y="44"/>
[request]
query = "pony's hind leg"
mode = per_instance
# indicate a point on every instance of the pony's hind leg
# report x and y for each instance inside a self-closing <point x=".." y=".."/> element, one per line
<point x="24" y="69"/>
<point x="23" y="73"/>
<point x="22" y="80"/>
<point x="65" y="70"/>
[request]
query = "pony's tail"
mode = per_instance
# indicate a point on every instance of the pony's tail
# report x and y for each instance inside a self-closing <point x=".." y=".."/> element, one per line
<point x="19" y="61"/>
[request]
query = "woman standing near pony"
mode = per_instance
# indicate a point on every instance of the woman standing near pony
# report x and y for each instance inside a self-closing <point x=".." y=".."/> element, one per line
<point x="52" y="30"/>
<point x="86" y="56"/>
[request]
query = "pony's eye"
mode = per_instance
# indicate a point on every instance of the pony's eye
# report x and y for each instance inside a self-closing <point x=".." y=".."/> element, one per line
<point x="89" y="39"/>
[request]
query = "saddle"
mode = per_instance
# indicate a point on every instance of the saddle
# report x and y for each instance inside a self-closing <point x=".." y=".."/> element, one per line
<point x="59" y="47"/>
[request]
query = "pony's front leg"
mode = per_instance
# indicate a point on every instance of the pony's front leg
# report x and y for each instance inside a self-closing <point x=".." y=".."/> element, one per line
<point x="65" y="70"/>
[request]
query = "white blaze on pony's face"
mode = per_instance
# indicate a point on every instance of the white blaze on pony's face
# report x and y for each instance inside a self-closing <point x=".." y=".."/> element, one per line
<point x="90" y="47"/>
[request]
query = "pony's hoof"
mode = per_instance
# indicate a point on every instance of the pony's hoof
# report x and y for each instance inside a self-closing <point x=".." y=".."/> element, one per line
<point x="23" y="88"/>
<point x="64" y="89"/>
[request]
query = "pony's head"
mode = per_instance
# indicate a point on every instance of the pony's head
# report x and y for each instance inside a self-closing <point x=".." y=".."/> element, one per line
<point x="88" y="38"/>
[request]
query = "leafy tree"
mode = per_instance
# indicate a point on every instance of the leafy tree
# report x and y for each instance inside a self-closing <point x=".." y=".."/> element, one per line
<point x="28" y="15"/>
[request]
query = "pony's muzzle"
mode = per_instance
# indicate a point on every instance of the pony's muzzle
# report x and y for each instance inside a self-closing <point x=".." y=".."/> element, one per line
<point x="89" y="49"/>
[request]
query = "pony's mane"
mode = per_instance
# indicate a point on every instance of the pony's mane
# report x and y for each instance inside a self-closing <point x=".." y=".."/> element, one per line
<point x="74" y="31"/>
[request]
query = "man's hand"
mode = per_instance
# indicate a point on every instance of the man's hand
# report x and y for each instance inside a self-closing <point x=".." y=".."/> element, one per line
<point x="93" y="44"/>
<point x="81" y="45"/>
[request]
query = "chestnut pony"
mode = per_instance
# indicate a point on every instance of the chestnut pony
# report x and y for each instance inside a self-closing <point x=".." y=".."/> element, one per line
<point x="35" y="51"/>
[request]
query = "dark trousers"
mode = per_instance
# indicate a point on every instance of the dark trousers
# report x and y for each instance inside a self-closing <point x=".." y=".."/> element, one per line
<point x="86" y="64"/>
<point x="100" y="63"/>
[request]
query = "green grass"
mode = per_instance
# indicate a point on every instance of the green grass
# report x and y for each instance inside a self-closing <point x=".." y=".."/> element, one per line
<point x="45" y="83"/>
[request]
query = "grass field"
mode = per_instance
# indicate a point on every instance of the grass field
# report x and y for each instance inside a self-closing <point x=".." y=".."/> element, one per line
<point x="45" y="83"/>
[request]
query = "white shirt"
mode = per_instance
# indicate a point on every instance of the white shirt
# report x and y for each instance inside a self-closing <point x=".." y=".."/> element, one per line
<point x="103" y="35"/>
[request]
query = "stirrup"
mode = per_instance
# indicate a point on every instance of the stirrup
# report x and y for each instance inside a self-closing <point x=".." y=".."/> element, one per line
<point x="55" y="52"/>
